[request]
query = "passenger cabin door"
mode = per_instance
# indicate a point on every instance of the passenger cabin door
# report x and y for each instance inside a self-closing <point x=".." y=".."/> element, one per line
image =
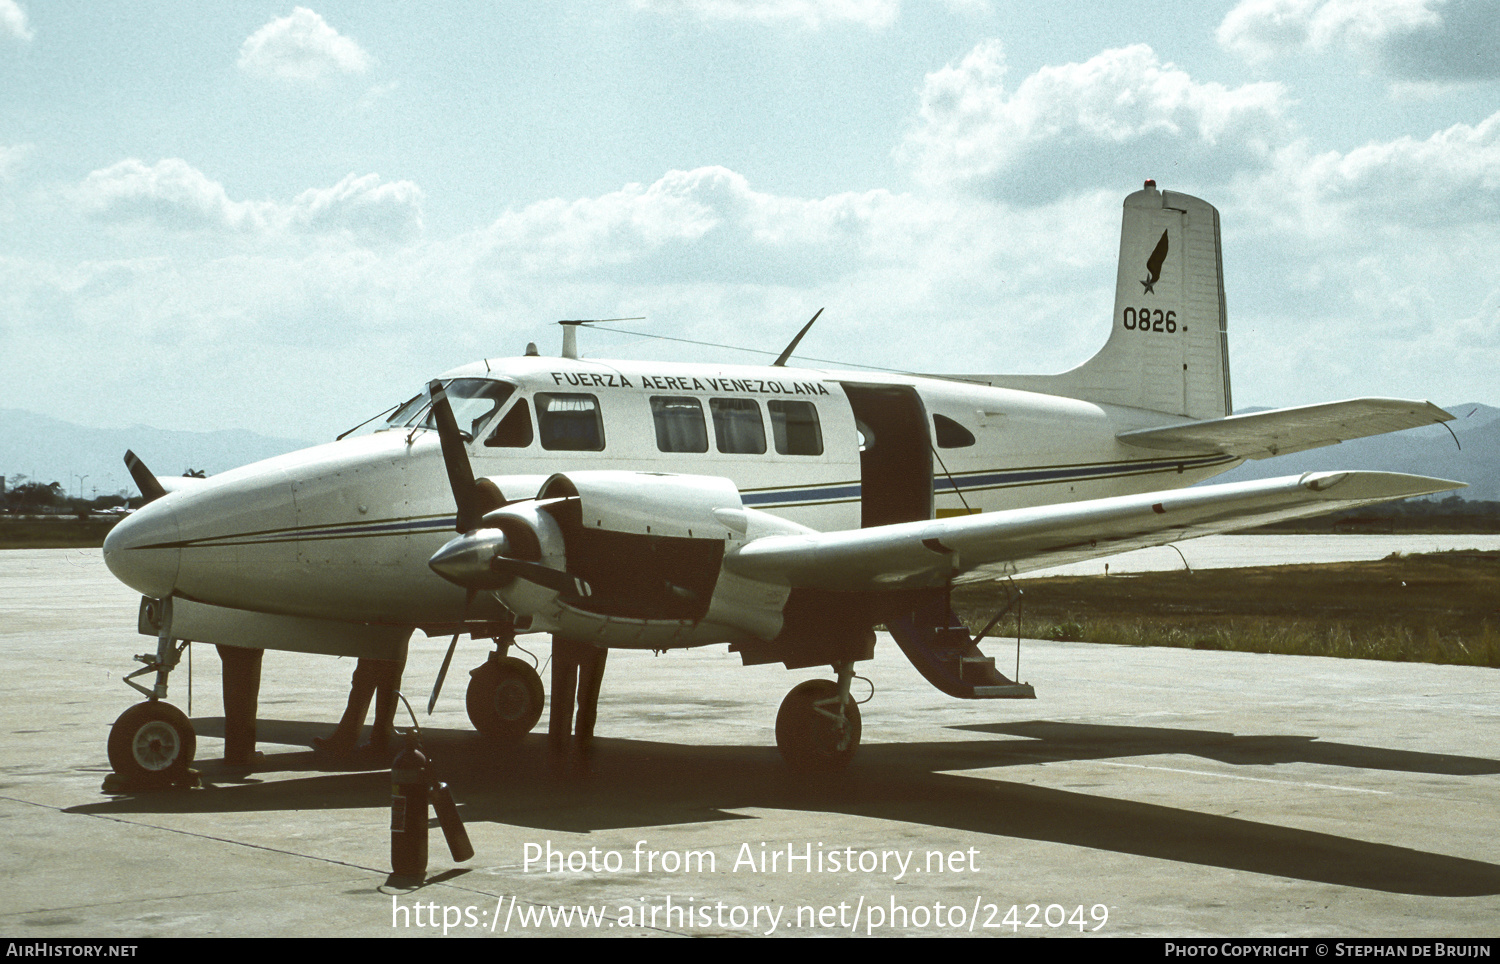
<point x="895" y="459"/>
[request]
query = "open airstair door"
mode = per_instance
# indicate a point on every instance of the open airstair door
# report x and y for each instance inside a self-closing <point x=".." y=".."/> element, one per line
<point x="941" y="648"/>
<point x="895" y="454"/>
<point x="895" y="469"/>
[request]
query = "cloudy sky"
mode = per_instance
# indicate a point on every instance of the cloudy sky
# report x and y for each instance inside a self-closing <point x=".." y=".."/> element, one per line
<point x="284" y="218"/>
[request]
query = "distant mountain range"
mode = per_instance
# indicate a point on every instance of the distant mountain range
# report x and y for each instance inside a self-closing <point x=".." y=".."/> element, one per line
<point x="46" y="449"/>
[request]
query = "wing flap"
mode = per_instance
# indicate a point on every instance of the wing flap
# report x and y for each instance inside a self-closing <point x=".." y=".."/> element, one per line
<point x="1260" y="435"/>
<point x="931" y="553"/>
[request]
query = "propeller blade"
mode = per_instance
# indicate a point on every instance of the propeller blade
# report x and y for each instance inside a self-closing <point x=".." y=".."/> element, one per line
<point x="149" y="485"/>
<point x="437" y="687"/>
<point x="456" y="459"/>
<point x="476" y="560"/>
<point x="568" y="585"/>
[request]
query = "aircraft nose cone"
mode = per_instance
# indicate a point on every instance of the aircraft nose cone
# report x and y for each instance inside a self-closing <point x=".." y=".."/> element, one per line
<point x="142" y="550"/>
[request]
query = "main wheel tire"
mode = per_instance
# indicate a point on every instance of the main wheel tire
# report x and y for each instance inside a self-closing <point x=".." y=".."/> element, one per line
<point x="505" y="699"/>
<point x="152" y="745"/>
<point x="809" y="741"/>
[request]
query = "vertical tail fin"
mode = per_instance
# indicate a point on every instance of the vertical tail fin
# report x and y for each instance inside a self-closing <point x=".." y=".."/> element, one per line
<point x="1167" y="349"/>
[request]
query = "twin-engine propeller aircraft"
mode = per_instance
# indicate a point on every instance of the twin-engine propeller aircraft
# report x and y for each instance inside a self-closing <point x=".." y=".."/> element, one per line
<point x="785" y="512"/>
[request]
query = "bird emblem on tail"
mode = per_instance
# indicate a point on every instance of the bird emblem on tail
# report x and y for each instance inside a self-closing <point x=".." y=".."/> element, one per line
<point x="1153" y="265"/>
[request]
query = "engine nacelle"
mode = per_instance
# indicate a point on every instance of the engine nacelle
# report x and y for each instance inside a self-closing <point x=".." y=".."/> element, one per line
<point x="651" y="548"/>
<point x="648" y="503"/>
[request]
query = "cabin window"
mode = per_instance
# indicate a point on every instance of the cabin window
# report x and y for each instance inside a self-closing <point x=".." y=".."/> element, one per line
<point x="738" y="429"/>
<point x="569" y="422"/>
<point x="514" y="430"/>
<point x="794" y="427"/>
<point x="950" y="434"/>
<point x="679" y="423"/>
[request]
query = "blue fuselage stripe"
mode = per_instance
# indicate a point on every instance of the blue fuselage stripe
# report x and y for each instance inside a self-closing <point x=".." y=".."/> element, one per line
<point x="943" y="485"/>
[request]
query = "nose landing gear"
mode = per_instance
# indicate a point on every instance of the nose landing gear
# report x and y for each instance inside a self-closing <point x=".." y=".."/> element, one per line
<point x="152" y="744"/>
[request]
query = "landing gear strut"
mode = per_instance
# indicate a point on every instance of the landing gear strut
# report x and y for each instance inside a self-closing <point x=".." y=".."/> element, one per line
<point x="505" y="698"/>
<point x="818" y="726"/>
<point x="152" y="744"/>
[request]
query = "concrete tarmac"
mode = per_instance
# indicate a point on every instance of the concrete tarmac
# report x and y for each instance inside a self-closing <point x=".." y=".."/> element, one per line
<point x="1155" y="792"/>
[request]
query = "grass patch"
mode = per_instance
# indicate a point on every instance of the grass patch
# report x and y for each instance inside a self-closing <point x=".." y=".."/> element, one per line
<point x="1432" y="608"/>
<point x="68" y="532"/>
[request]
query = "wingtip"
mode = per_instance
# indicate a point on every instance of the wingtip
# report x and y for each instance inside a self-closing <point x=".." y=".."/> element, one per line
<point x="1376" y="486"/>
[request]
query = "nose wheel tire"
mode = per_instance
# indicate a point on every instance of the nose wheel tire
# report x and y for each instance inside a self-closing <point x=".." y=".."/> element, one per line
<point x="505" y="699"/>
<point x="152" y="745"/>
<point x="808" y="733"/>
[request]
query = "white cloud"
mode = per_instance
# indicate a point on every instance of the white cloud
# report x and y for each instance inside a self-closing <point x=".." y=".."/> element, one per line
<point x="1367" y="268"/>
<point x="174" y="195"/>
<point x="13" y="20"/>
<point x="301" y="47"/>
<point x="11" y="158"/>
<point x="363" y="206"/>
<point x="562" y="235"/>
<point x="1413" y="40"/>
<point x="809" y="14"/>
<point x="1260" y="29"/>
<point x="703" y="252"/>
<point x="170" y="193"/>
<point x="699" y="225"/>
<point x="1450" y="179"/>
<point x="1079" y="126"/>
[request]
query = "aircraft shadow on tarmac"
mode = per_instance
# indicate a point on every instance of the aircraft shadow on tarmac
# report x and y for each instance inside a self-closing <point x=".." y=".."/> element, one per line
<point x="1086" y="741"/>
<point x="631" y="783"/>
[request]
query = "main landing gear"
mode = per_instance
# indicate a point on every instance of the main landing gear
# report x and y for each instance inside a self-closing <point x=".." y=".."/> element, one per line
<point x="818" y="725"/>
<point x="505" y="698"/>
<point x="152" y="744"/>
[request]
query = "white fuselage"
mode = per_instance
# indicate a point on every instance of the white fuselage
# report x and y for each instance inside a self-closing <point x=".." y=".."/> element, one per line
<point x="344" y="531"/>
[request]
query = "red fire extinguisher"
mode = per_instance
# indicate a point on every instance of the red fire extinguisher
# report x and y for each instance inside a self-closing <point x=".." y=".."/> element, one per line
<point x="409" y="810"/>
<point x="448" y="818"/>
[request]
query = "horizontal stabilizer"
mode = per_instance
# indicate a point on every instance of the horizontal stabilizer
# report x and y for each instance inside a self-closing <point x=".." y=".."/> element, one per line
<point x="931" y="553"/>
<point x="1261" y="435"/>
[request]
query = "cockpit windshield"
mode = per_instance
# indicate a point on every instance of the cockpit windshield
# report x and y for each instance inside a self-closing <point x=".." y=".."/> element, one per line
<point x="407" y="409"/>
<point x="474" y="401"/>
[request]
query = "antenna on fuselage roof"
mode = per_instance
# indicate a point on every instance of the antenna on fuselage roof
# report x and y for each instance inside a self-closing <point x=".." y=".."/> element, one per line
<point x="570" y="332"/>
<point x="786" y="353"/>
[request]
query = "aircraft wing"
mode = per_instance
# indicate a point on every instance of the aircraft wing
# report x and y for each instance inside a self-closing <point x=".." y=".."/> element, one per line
<point x="1261" y="435"/>
<point x="912" y="555"/>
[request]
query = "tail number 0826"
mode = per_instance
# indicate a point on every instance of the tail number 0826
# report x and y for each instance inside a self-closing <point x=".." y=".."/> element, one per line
<point x="1148" y="319"/>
